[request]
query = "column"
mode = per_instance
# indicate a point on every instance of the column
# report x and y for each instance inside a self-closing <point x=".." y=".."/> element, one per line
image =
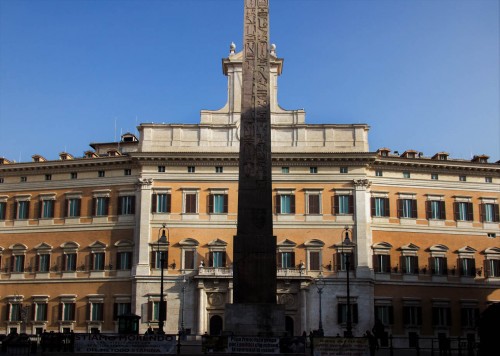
<point x="201" y="309"/>
<point x="363" y="233"/>
<point x="142" y="227"/>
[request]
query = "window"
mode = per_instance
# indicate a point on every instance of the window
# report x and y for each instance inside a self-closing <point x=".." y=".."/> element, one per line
<point x="409" y="264"/>
<point x="48" y="177"/>
<point x="434" y="176"/>
<point x="73" y="207"/>
<point x="154" y="310"/>
<point x="385" y="314"/>
<point x="17" y="263"/>
<point x="435" y="210"/>
<point x="121" y="308"/>
<point x="285" y="204"/>
<point x="73" y="175"/>
<point x="69" y="260"/>
<point x="161" y="203"/>
<point x="285" y="170"/>
<point x="47" y="209"/>
<point x="15" y="312"/>
<point x="42" y="262"/>
<point x="314" y="261"/>
<point x="123" y="260"/>
<point x="97" y="261"/>
<point x="191" y="169"/>
<point x="126" y="205"/>
<point x="22" y="210"/>
<point x="3" y="210"/>
<point x="344" y="170"/>
<point x="343" y="259"/>
<point x="412" y="315"/>
<point x="189" y="259"/>
<point x="342" y="313"/>
<point x="382" y="263"/>
<point x="2" y="180"/>
<point x="313" y="170"/>
<point x="407" y="208"/>
<point x="101" y="174"/>
<point x="217" y="259"/>
<point x="217" y="203"/>
<point x="24" y="179"/>
<point x="467" y="267"/>
<point x="190" y="206"/>
<point x="379" y="173"/>
<point x="313" y="204"/>
<point x="96" y="311"/>
<point x="488" y="179"/>
<point x="439" y="266"/>
<point x="127" y="172"/>
<point x="489" y="212"/>
<point x="161" y="169"/>
<point x="469" y="316"/>
<point x="493" y="268"/>
<point x="156" y="257"/>
<point x="40" y="311"/>
<point x="462" y="178"/>
<point x="101" y="206"/>
<point x="286" y="259"/>
<point x="219" y="169"/>
<point x="343" y="204"/>
<point x="67" y="311"/>
<point x="463" y="211"/>
<point x="441" y="316"/>
<point x="380" y="206"/>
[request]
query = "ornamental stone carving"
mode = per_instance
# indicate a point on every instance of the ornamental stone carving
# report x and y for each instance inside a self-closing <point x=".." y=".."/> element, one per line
<point x="215" y="299"/>
<point x="362" y="183"/>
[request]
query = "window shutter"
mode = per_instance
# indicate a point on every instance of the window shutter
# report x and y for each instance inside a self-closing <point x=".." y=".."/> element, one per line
<point x="390" y="308"/>
<point x="72" y="311"/>
<point x="60" y="307"/>
<point x="376" y="265"/>
<point x="210" y="259"/>
<point x="153" y="259"/>
<point x="470" y="212"/>
<point x="223" y="259"/>
<point x="314" y="261"/>
<point x="351" y="204"/>
<point x="106" y="206"/>
<point x="406" y="315"/>
<point x="339" y="313"/>
<point x="12" y="259"/>
<point x="354" y="313"/>
<point x="15" y="205"/>
<point x="473" y="269"/>
<point x="115" y="311"/>
<point x="37" y="263"/>
<point x="78" y="207"/>
<point x="338" y="262"/>
<point x="66" y="207"/>
<point x="279" y="260"/>
<point x="94" y="206"/>
<point x="435" y="316"/>
<point x="132" y="208"/>
<point x="165" y="259"/>
<point x="456" y="210"/>
<point x="39" y="209"/>
<point x="387" y="211"/>
<point x="154" y="198"/>
<point x="293" y="259"/>
<point x="335" y="203"/>
<point x="414" y="208"/>
<point x="150" y="310"/>
<point x="226" y="203"/>
<point x="496" y="215"/>
<point x="372" y="204"/>
<point x="210" y="203"/>
<point x="402" y="263"/>
<point x="88" y="311"/>
<point x="120" y="205"/>
<point x="277" y="204"/>
<point x="482" y="212"/>
<point x="400" y="208"/>
<point x="118" y="260"/>
<point x="52" y="208"/>
<point x="428" y="209"/>
<point x="442" y="210"/>
<point x="169" y="202"/>
<point x="292" y="204"/>
<point x="388" y="264"/>
<point x="189" y="259"/>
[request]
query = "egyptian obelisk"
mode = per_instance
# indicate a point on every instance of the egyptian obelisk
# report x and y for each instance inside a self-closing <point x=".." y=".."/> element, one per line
<point x="254" y="310"/>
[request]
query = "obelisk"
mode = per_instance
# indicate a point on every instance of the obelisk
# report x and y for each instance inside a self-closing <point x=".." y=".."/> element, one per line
<point x="254" y="310"/>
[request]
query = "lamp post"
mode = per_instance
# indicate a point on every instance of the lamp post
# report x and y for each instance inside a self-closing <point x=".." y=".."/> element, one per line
<point x="162" y="241"/>
<point x="320" y="284"/>
<point x="184" y="282"/>
<point x="346" y="241"/>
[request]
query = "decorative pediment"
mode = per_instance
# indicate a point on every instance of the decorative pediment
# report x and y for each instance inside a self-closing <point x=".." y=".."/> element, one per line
<point x="189" y="242"/>
<point x="410" y="247"/>
<point x="438" y="248"/>
<point x="466" y="249"/>
<point x="287" y="243"/>
<point x="70" y="245"/>
<point x="492" y="251"/>
<point x="124" y="243"/>
<point x="382" y="246"/>
<point x="43" y="247"/>
<point x="97" y="244"/>
<point x="18" y="247"/>
<point x="217" y="242"/>
<point x="314" y="243"/>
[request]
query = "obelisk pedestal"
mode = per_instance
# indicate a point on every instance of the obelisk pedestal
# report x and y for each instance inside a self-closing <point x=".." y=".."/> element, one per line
<point x="254" y="310"/>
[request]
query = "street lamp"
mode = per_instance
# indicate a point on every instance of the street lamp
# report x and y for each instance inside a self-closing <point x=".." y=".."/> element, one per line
<point x="346" y="241"/>
<point x="320" y="284"/>
<point x="162" y="242"/>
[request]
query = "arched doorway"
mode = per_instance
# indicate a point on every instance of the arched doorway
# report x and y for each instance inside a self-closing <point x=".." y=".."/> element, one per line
<point x="216" y="325"/>
<point x="289" y="327"/>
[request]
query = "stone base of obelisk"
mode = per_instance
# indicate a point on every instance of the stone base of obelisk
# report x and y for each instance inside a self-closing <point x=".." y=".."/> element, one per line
<point x="250" y="319"/>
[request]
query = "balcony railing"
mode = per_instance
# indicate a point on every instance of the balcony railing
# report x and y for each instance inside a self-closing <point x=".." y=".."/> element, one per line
<point x="216" y="271"/>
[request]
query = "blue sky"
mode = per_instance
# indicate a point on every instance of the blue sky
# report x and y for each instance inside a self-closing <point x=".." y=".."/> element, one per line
<point x="424" y="74"/>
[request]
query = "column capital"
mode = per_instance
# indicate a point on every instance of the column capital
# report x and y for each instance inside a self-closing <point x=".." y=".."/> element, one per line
<point x="362" y="183"/>
<point x="144" y="183"/>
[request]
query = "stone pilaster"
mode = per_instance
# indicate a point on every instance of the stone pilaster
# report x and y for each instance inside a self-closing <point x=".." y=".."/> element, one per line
<point x="142" y="227"/>
<point x="363" y="233"/>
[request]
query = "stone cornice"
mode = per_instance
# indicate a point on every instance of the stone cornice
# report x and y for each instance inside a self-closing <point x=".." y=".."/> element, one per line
<point x="436" y="166"/>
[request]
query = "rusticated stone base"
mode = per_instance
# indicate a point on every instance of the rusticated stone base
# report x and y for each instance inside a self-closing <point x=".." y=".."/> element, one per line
<point x="255" y="319"/>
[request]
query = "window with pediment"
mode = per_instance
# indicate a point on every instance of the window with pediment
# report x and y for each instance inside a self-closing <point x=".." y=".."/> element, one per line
<point x="188" y="253"/>
<point x="314" y="249"/>
<point x="382" y="257"/>
<point x="217" y="253"/>
<point x="409" y="259"/>
<point x="438" y="260"/>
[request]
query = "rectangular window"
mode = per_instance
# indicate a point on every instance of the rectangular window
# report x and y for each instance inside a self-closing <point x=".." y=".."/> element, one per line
<point x="285" y="204"/>
<point x="15" y="312"/>
<point x="190" y="203"/>
<point x="488" y="179"/>
<point x="188" y="259"/>
<point x="47" y="209"/>
<point x="343" y="205"/>
<point x="313" y="204"/>
<point x="412" y="315"/>
<point x="123" y="260"/>
<point x="73" y="175"/>
<point x="68" y="311"/>
<point x="191" y="169"/>
<point x="156" y="257"/>
<point x="219" y="169"/>
<point x="285" y="170"/>
<point x="469" y="317"/>
<point x="121" y="309"/>
<point x="434" y="176"/>
<point x="70" y="262"/>
<point x="101" y="174"/>
<point x="409" y="264"/>
<point x="3" y="210"/>
<point x="17" y="263"/>
<point x="217" y="259"/>
<point x="467" y="267"/>
<point x="441" y="316"/>
<point x="101" y="206"/>
<point x="463" y="211"/>
<point x="313" y="170"/>
<point x="344" y="170"/>
<point x="127" y="172"/>
<point x="155" y="311"/>
<point x="344" y="261"/>
<point x="493" y="268"/>
<point x="342" y="313"/>
<point x="489" y="212"/>
<point x="439" y="266"/>
<point x="73" y="207"/>
<point x="286" y="259"/>
<point x="435" y="210"/>
<point x="96" y="312"/>
<point x="161" y="169"/>
<point x="23" y="208"/>
<point x="462" y="178"/>
<point x="382" y="263"/>
<point x="380" y="207"/>
<point x="161" y="203"/>
<point x="98" y="261"/>
<point x="48" y="177"/>
<point x="43" y="262"/>
<point x="314" y="261"/>
<point x="40" y="313"/>
<point x="24" y="179"/>
<point x="126" y="205"/>
<point x="379" y="173"/>
<point x="217" y="203"/>
<point x="385" y="314"/>
<point x="406" y="174"/>
<point x="2" y="180"/>
<point x="407" y="208"/>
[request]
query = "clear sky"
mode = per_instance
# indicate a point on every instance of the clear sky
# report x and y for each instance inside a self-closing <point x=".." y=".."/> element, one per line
<point x="424" y="74"/>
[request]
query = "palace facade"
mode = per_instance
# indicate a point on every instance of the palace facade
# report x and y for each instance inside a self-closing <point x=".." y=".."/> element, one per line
<point x="79" y="235"/>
